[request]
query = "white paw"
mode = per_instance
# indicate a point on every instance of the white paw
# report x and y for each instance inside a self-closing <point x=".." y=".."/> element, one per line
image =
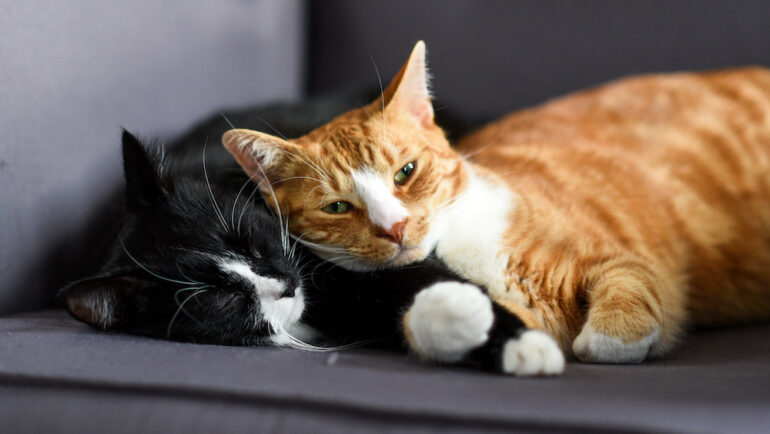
<point x="449" y="319"/>
<point x="594" y="347"/>
<point x="533" y="353"/>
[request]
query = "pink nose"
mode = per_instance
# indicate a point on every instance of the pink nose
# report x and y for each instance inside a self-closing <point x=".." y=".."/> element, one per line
<point x="395" y="233"/>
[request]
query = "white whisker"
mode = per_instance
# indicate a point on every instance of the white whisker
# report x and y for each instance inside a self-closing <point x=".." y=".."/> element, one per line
<point x="271" y="126"/>
<point x="382" y="97"/>
<point x="287" y="339"/>
<point x="227" y="120"/>
<point x="211" y="193"/>
<point x="245" y="205"/>
<point x="176" y="298"/>
<point x="297" y="177"/>
<point x="181" y="306"/>
<point x="181" y="282"/>
<point x="238" y="196"/>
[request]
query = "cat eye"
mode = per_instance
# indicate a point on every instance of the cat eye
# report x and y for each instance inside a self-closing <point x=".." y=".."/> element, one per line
<point x="338" y="207"/>
<point x="405" y="172"/>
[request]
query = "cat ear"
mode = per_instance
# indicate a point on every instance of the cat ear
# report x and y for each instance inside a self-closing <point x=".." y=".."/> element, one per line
<point x="104" y="302"/>
<point x="259" y="154"/>
<point x="142" y="180"/>
<point x="408" y="92"/>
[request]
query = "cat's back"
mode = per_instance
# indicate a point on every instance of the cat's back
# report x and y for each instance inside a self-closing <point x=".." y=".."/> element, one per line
<point x="724" y="113"/>
<point x="674" y="167"/>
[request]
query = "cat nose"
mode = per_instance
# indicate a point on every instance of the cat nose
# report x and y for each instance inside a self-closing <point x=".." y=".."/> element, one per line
<point x="395" y="233"/>
<point x="288" y="292"/>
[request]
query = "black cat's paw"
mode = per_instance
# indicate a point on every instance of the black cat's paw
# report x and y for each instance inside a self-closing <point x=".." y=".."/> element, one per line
<point x="447" y="320"/>
<point x="533" y="353"/>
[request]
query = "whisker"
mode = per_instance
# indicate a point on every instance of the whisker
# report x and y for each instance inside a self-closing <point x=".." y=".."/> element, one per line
<point x="189" y="315"/>
<point x="297" y="177"/>
<point x="304" y="204"/>
<point x="318" y="169"/>
<point x="382" y="97"/>
<point x="245" y="205"/>
<point x="238" y="196"/>
<point x="272" y="193"/>
<point x="181" y="306"/>
<point x="296" y="343"/>
<point x="323" y="247"/>
<point x="150" y="272"/>
<point x="227" y="120"/>
<point x="181" y="273"/>
<point x="271" y="127"/>
<point x="211" y="193"/>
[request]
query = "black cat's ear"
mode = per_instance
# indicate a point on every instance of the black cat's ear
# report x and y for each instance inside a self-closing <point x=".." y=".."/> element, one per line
<point x="143" y="187"/>
<point x="105" y="302"/>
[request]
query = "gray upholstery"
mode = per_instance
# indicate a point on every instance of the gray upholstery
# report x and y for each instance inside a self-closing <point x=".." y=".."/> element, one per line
<point x="73" y="72"/>
<point x="56" y="372"/>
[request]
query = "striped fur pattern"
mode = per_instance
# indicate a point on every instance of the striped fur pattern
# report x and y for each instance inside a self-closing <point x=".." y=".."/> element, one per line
<point x="612" y="218"/>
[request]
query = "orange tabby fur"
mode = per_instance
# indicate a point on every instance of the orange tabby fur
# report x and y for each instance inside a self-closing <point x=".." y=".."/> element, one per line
<point x="636" y="208"/>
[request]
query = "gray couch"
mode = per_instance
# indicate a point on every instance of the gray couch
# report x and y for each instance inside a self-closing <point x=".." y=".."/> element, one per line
<point x="72" y="72"/>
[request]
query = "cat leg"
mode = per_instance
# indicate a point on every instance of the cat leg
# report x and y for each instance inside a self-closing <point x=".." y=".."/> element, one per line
<point x="456" y="322"/>
<point x="633" y="313"/>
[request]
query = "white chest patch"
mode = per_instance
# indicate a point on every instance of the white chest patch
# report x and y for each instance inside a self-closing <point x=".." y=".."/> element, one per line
<point x="384" y="209"/>
<point x="469" y="233"/>
<point x="266" y="287"/>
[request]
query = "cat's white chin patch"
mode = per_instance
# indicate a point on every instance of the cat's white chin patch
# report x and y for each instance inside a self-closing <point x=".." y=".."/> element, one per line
<point x="449" y="319"/>
<point x="284" y="312"/>
<point x="532" y="353"/>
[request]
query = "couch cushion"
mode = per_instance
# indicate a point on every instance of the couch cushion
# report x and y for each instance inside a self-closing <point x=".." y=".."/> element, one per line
<point x="58" y="374"/>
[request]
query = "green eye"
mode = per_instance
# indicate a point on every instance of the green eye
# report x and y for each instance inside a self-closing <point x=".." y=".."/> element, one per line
<point x="338" y="207"/>
<point x="405" y="172"/>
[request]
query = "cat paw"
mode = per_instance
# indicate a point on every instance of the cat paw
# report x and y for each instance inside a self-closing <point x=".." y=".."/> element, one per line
<point x="449" y="319"/>
<point x="594" y="347"/>
<point x="532" y="353"/>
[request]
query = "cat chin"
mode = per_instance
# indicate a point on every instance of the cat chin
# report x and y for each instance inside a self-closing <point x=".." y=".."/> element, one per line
<point x="283" y="312"/>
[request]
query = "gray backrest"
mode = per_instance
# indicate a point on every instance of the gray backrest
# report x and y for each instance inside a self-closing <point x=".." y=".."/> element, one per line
<point x="491" y="56"/>
<point x="73" y="72"/>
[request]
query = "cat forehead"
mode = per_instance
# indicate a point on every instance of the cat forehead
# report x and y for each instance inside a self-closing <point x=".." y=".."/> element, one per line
<point x="361" y="133"/>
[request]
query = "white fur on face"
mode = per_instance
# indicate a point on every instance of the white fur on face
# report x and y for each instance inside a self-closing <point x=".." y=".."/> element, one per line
<point x="264" y="286"/>
<point x="279" y="312"/>
<point x="384" y="209"/>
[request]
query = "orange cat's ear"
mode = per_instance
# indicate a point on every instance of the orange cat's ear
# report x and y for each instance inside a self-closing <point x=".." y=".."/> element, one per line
<point x="259" y="154"/>
<point x="408" y="92"/>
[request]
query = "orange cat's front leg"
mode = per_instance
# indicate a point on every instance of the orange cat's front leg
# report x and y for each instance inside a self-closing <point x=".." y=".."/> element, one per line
<point x="634" y="312"/>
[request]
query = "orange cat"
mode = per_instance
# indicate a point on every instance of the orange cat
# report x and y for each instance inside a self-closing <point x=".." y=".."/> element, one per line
<point x="612" y="218"/>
